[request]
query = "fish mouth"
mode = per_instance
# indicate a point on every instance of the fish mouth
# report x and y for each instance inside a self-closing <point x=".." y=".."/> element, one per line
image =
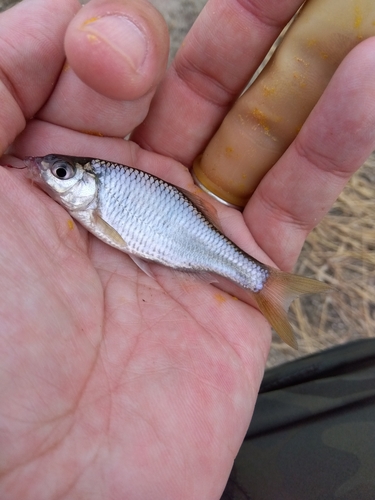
<point x="34" y="166"/>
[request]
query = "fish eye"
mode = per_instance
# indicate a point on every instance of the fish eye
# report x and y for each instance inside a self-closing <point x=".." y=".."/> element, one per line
<point x="63" y="170"/>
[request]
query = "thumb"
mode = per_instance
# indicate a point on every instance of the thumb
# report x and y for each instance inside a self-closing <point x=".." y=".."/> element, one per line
<point x="118" y="48"/>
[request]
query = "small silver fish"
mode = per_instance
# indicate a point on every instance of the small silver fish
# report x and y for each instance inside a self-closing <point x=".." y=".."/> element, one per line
<point x="154" y="221"/>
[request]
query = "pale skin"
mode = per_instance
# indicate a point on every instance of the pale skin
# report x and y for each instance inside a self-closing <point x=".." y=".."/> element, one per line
<point x="113" y="384"/>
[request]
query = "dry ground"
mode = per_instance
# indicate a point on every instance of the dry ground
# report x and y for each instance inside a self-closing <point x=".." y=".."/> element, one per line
<point x="340" y="250"/>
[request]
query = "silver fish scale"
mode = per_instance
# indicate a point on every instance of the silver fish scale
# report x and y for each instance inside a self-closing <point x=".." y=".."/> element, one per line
<point x="160" y="223"/>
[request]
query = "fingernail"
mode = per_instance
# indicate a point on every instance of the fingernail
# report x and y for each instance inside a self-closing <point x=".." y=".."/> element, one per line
<point x="121" y="34"/>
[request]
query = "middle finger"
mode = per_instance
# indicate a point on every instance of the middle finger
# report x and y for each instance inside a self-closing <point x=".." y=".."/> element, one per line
<point x="220" y="53"/>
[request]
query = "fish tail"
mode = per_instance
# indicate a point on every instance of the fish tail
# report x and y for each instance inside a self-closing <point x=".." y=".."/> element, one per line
<point x="278" y="292"/>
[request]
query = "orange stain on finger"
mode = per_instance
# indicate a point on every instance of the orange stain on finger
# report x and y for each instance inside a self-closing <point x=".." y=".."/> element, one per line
<point x="267" y="91"/>
<point x="261" y="119"/>
<point x="92" y="132"/>
<point x="92" y="38"/>
<point x="220" y="298"/>
<point x="358" y="18"/>
<point x="230" y="153"/>
<point x="90" y="20"/>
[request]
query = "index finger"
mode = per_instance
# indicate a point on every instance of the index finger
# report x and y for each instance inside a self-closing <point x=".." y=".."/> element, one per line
<point x="219" y="55"/>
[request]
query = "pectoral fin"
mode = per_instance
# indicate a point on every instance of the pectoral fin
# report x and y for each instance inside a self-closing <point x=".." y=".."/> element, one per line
<point x="107" y="233"/>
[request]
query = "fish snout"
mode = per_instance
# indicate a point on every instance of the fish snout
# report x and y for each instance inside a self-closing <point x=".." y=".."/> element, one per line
<point x="34" y="166"/>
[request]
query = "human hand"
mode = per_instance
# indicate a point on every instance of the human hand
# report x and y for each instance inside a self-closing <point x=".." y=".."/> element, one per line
<point x="115" y="384"/>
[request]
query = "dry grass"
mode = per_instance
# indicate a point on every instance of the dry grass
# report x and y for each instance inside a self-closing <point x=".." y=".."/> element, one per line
<point x="339" y="251"/>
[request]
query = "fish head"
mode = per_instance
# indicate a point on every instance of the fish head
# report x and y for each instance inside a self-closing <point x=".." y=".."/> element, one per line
<point x="68" y="181"/>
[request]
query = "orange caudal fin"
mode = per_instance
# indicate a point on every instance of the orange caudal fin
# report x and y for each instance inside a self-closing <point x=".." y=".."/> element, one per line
<point x="276" y="296"/>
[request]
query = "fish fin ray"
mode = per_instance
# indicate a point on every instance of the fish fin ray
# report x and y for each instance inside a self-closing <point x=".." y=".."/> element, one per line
<point x="208" y="210"/>
<point x="197" y="276"/>
<point x="108" y="232"/>
<point x="276" y="316"/>
<point x="278" y="293"/>
<point x="143" y="265"/>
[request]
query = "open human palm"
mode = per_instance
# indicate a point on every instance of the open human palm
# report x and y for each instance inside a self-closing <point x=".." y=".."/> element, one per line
<point x="110" y="373"/>
<point x="114" y="384"/>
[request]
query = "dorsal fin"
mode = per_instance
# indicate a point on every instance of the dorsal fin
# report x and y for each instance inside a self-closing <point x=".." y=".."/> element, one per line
<point x="208" y="210"/>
